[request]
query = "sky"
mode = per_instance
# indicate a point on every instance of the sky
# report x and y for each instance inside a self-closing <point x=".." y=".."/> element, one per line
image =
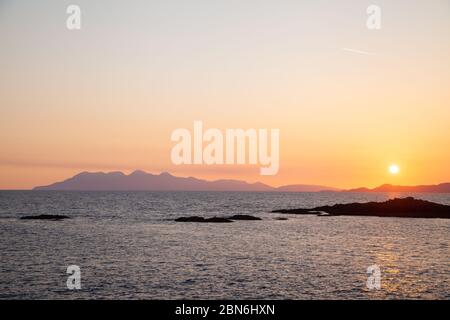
<point x="348" y="101"/>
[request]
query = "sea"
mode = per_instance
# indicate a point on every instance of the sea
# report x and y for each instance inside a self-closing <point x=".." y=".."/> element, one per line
<point x="127" y="246"/>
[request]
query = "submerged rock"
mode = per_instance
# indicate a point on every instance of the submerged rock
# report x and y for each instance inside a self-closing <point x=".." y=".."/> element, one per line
<point x="217" y="219"/>
<point x="45" y="217"/>
<point x="201" y="219"/>
<point x="243" y="217"/>
<point x="403" y="208"/>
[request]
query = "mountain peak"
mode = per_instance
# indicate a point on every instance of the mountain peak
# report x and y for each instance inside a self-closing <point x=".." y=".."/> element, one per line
<point x="138" y="173"/>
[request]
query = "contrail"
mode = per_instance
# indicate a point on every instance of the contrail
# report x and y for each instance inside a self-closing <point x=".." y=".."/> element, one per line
<point x="359" y="51"/>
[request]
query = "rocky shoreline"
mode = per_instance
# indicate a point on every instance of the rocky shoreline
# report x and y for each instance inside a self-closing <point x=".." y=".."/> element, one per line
<point x="401" y="208"/>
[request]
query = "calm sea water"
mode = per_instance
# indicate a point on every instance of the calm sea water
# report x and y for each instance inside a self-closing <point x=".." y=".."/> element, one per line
<point x="127" y="248"/>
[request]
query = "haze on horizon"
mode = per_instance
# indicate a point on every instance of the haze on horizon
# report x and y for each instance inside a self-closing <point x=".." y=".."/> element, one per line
<point x="107" y="97"/>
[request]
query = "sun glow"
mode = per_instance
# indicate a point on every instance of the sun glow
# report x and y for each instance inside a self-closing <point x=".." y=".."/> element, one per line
<point x="394" y="169"/>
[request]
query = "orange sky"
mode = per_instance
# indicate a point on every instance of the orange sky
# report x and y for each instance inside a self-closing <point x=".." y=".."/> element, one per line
<point x="108" y="96"/>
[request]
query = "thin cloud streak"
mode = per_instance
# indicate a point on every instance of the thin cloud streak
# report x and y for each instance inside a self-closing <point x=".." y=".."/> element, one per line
<point x="359" y="51"/>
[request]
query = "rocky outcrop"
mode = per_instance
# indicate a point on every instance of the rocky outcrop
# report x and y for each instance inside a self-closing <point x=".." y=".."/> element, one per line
<point x="243" y="217"/>
<point x="45" y="217"/>
<point x="403" y="208"/>
<point x="217" y="219"/>
<point x="203" y="220"/>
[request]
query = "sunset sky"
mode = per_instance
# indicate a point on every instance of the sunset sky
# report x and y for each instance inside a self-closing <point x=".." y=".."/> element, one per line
<point x="349" y="101"/>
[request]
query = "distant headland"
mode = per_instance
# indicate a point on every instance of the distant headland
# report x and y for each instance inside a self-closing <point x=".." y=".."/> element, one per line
<point x="438" y="188"/>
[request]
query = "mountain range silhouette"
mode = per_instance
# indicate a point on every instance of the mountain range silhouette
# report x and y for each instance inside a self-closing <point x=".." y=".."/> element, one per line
<point x="143" y="181"/>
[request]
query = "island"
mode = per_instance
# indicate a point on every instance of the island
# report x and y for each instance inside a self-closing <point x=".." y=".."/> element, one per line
<point x="398" y="207"/>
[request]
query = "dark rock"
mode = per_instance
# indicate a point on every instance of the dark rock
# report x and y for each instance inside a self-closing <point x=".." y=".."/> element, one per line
<point x="280" y="218"/>
<point x="296" y="211"/>
<point x="402" y="208"/>
<point x="190" y="219"/>
<point x="45" y="217"/>
<point x="243" y="217"/>
<point x="202" y="220"/>
<point x="218" y="220"/>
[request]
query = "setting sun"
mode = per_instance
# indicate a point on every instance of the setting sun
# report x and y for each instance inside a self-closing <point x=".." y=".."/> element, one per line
<point x="394" y="169"/>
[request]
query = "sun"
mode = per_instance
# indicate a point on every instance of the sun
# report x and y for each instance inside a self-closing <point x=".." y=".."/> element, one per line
<point x="394" y="169"/>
